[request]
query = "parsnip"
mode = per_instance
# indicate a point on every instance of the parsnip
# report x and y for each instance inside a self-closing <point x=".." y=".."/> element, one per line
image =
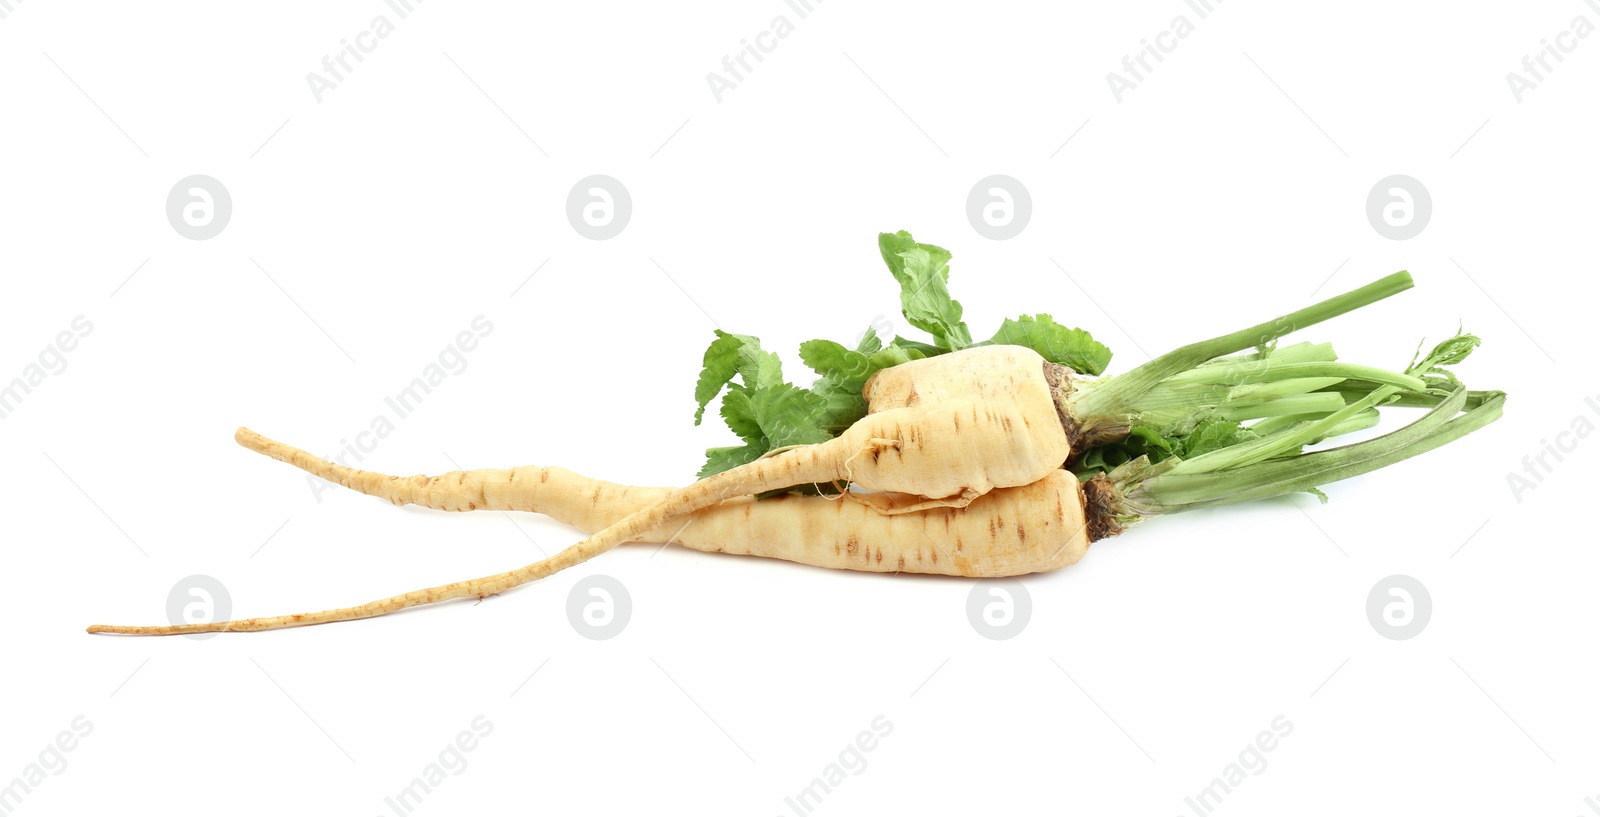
<point x="938" y="435"/>
<point x="1007" y="532"/>
<point x="1042" y="526"/>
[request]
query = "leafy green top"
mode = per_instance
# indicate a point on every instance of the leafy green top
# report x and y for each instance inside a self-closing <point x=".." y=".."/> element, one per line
<point x="768" y="413"/>
<point x="1187" y="439"/>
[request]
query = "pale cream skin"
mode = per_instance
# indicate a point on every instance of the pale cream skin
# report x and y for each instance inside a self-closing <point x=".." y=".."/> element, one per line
<point x="921" y="447"/>
<point x="1006" y="532"/>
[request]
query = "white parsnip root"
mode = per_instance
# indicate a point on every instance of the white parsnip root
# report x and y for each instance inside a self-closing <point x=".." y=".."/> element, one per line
<point x="1013" y="531"/>
<point x="951" y="452"/>
<point x="1007" y="532"/>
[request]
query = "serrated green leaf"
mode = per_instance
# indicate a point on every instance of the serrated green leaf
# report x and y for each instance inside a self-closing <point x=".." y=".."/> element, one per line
<point x="1212" y="434"/>
<point x="869" y="342"/>
<point x="1431" y="368"/>
<point x="768" y="418"/>
<point x="833" y="361"/>
<point x="894" y="356"/>
<point x="720" y="365"/>
<point x="923" y="271"/>
<point x="926" y="349"/>
<point x="722" y="459"/>
<point x="740" y="414"/>
<point x="733" y="355"/>
<point x="788" y="416"/>
<point x="1159" y="445"/>
<point x="1074" y="348"/>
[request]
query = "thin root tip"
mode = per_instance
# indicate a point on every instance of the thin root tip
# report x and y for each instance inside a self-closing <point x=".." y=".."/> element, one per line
<point x="117" y="629"/>
<point x="251" y="440"/>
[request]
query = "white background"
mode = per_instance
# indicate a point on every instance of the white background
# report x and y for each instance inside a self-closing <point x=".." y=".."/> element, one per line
<point x="371" y="227"/>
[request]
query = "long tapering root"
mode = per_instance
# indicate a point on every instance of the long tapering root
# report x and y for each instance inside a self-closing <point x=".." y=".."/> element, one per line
<point x="537" y="489"/>
<point x="479" y="588"/>
<point x="790" y="468"/>
<point x="453" y="491"/>
<point x="899" y="429"/>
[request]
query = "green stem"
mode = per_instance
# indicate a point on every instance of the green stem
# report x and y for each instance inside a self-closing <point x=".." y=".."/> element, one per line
<point x="1350" y="390"/>
<point x="1268" y="371"/>
<point x="1299" y="405"/>
<point x="1237" y="456"/>
<point x="1189" y="396"/>
<point x="1173" y="492"/>
<point x="1275" y="424"/>
<point x="1111" y="400"/>
<point x="1302" y="352"/>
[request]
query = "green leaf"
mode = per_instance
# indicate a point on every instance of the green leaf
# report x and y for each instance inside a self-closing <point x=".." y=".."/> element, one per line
<point x="722" y="459"/>
<point x="1206" y="436"/>
<point x="721" y="364"/>
<point x="843" y="373"/>
<point x="740" y="414"/>
<point x="927" y="349"/>
<point x="1213" y="434"/>
<point x="842" y="406"/>
<point x="767" y="418"/>
<point x="1447" y="353"/>
<point x="1432" y="369"/>
<point x="788" y="416"/>
<point x="869" y="342"/>
<point x="923" y="271"/>
<point x="1073" y="348"/>
<point x="1142" y="441"/>
<point x="896" y="355"/>
<point x="734" y="355"/>
<point x="832" y="360"/>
